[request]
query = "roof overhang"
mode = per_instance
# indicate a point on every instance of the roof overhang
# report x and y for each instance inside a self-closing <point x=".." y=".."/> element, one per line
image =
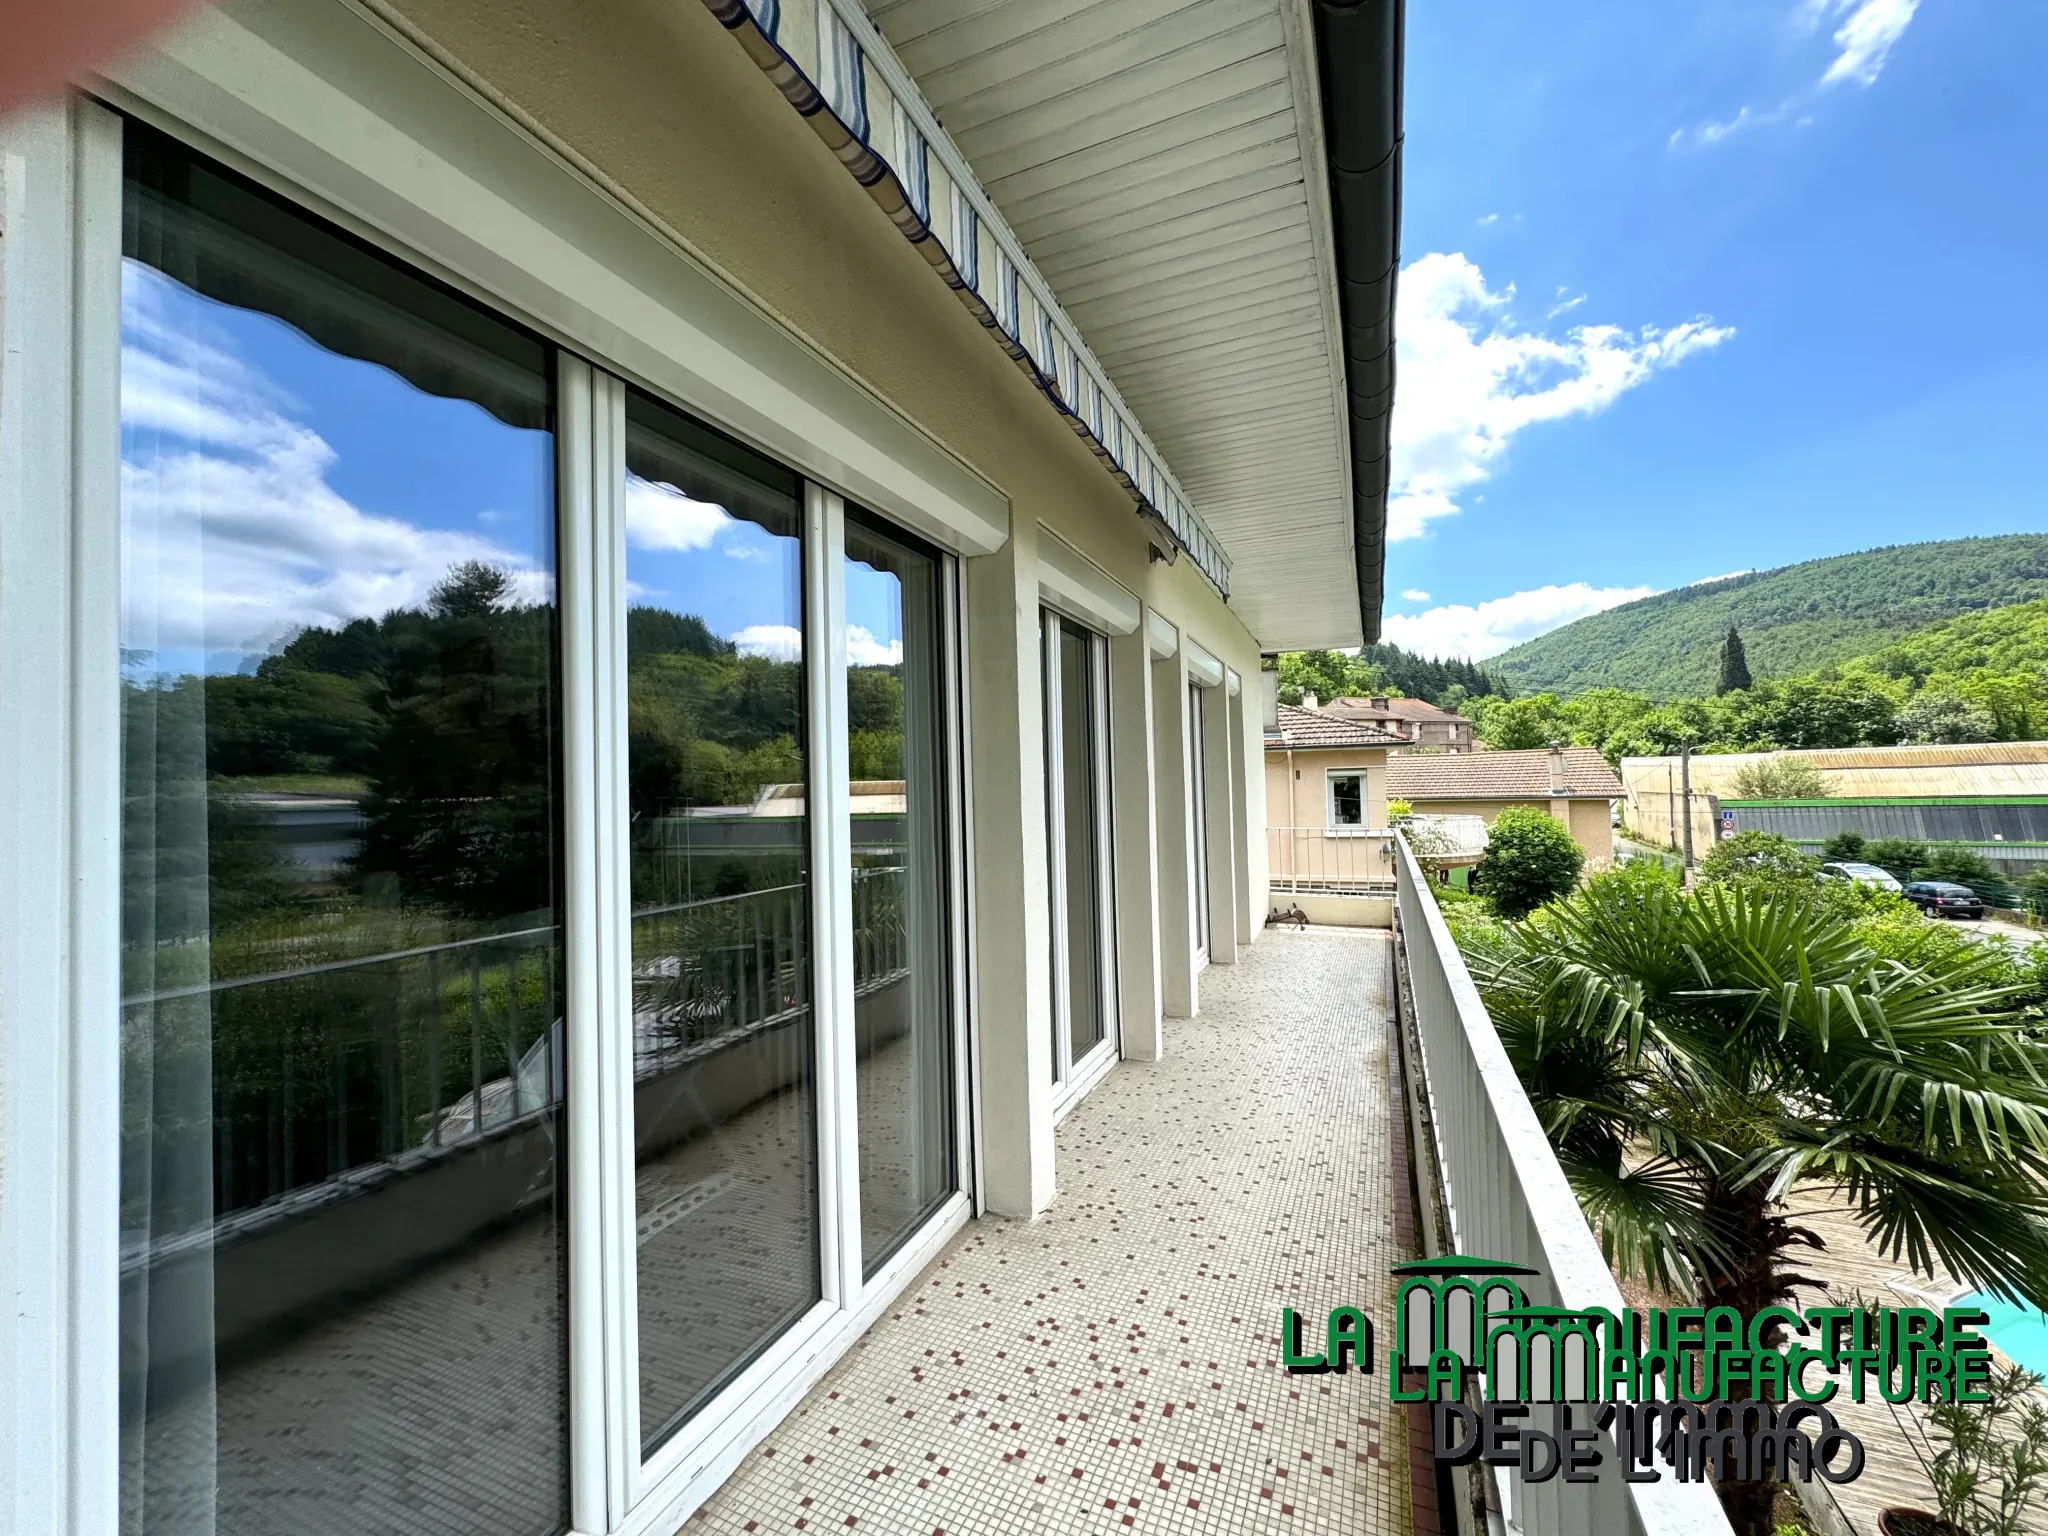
<point x="1210" y="188"/>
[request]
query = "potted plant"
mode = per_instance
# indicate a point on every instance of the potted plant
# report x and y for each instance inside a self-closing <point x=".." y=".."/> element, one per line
<point x="1991" y="1469"/>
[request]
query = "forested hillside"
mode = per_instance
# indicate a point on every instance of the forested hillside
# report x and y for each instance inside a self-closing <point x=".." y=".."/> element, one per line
<point x="1792" y="619"/>
<point x="1982" y="677"/>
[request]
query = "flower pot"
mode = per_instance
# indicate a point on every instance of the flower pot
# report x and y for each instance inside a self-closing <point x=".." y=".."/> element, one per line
<point x="1900" y="1521"/>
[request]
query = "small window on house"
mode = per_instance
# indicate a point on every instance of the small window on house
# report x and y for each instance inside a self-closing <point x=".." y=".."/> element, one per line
<point x="1347" y="799"/>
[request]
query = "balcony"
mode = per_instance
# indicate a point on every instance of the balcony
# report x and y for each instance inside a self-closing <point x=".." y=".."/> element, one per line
<point x="1115" y="1365"/>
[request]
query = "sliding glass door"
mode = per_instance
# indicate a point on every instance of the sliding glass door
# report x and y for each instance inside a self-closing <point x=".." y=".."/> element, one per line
<point x="1076" y="685"/>
<point x="896" y="686"/>
<point x="1198" y="810"/>
<point x="724" y="1036"/>
<point x="342" y="1278"/>
<point x="482" y="730"/>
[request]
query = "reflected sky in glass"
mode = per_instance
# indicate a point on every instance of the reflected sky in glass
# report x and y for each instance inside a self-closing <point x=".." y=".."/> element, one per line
<point x="356" y="516"/>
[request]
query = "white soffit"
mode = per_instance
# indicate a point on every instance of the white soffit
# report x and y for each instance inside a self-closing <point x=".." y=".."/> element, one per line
<point x="1161" y="161"/>
<point x="1078" y="587"/>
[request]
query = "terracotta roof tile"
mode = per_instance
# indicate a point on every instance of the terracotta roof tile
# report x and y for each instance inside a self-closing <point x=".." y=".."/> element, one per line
<point x="1312" y="728"/>
<point x="1391" y="709"/>
<point x="1498" y="775"/>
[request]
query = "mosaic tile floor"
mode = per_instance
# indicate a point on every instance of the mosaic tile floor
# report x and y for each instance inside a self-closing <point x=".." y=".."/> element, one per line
<point x="1113" y="1367"/>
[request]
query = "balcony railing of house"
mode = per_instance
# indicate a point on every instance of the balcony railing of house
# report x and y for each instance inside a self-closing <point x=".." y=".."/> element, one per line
<point x="1505" y="1197"/>
<point x="1330" y="859"/>
<point x="431" y="1075"/>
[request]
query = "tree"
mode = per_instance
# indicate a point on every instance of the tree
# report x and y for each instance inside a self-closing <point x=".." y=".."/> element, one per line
<point x="1691" y="1059"/>
<point x="1328" y="675"/>
<point x="1937" y="717"/>
<point x="1735" y="676"/>
<point x="1780" y="778"/>
<point x="1530" y="859"/>
<point x="1845" y="846"/>
<point x="1519" y="724"/>
<point x="1896" y="856"/>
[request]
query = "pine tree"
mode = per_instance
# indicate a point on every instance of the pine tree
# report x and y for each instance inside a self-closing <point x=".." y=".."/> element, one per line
<point x="1735" y="676"/>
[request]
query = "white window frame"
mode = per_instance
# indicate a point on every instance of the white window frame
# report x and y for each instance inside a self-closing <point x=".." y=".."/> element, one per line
<point x="1332" y="827"/>
<point x="1073" y="1078"/>
<point x="60" y="242"/>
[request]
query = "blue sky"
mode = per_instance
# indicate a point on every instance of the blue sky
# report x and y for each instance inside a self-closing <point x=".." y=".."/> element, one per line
<point x="1706" y="285"/>
<point x="270" y="485"/>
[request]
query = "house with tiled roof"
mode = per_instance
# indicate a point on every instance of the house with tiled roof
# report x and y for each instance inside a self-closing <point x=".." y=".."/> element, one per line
<point x="1326" y="799"/>
<point x="1419" y="722"/>
<point x="1574" y="784"/>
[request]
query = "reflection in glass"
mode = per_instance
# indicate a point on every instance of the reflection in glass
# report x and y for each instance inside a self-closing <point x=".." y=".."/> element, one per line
<point x="1079" y="710"/>
<point x="902" y="1014"/>
<point x="1076" y="781"/>
<point x="723" y="1056"/>
<point x="341" y="1276"/>
<point x="1198" y="809"/>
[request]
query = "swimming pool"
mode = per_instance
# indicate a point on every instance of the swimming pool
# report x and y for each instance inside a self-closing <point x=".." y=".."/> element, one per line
<point x="2018" y="1329"/>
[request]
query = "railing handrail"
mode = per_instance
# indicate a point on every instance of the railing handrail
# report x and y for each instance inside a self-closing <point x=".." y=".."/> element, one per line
<point x="476" y="941"/>
<point x="1567" y="1250"/>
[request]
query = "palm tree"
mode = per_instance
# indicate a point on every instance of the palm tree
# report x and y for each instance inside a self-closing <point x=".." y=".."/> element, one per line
<point x="1696" y="1058"/>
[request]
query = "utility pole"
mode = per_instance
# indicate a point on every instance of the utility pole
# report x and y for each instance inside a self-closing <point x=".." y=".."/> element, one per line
<point x="1685" y="782"/>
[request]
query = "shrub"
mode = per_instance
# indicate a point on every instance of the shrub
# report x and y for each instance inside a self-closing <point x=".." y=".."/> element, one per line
<point x="2034" y="891"/>
<point x="1530" y="859"/>
<point x="1897" y="856"/>
<point x="1846" y="844"/>
<point x="1772" y="868"/>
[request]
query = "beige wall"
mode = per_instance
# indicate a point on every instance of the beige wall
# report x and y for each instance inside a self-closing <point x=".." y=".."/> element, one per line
<point x="1298" y="848"/>
<point x="1589" y="821"/>
<point x="661" y="105"/>
<point x="1295" y="785"/>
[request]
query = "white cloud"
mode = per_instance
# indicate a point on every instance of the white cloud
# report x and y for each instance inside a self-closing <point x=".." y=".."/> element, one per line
<point x="1476" y="631"/>
<point x="1708" y="581"/>
<point x="658" y="516"/>
<point x="234" y="540"/>
<point x="1865" y="37"/>
<point x="1470" y="381"/>
<point x="778" y="642"/>
<point x="1414" y="595"/>
<point x="864" y="650"/>
<point x="1488" y="218"/>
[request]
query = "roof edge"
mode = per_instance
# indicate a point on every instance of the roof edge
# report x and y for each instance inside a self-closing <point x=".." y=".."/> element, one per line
<point x="1360" y="45"/>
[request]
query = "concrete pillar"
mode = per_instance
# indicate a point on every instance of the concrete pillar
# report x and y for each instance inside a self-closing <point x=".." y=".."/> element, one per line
<point x="1010" y="913"/>
<point x="1221" y="765"/>
<point x="1174" y="830"/>
<point x="1135" y="829"/>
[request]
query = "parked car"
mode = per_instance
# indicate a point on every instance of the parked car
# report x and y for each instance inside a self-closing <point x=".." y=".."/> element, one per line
<point x="1940" y="898"/>
<point x="1867" y="874"/>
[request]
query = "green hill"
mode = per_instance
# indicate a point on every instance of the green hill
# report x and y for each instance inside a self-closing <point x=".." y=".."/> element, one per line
<point x="2012" y="639"/>
<point x="1792" y="619"/>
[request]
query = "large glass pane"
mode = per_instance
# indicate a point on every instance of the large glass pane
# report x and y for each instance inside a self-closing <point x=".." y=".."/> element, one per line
<point x="1198" y="809"/>
<point x="341" y="1037"/>
<point x="1080" y="743"/>
<point x="723" y="1057"/>
<point x="902" y="1013"/>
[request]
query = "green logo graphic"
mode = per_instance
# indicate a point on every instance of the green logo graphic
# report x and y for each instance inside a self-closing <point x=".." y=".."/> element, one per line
<point x="1698" y="1388"/>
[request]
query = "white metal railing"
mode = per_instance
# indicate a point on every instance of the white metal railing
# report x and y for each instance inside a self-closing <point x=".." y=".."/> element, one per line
<point x="1339" y="859"/>
<point x="1507" y="1198"/>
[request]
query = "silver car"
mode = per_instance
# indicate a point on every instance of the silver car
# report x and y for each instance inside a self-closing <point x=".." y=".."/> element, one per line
<point x="1867" y="874"/>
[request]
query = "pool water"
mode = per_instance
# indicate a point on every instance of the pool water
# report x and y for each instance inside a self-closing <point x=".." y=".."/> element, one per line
<point x="2018" y="1329"/>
